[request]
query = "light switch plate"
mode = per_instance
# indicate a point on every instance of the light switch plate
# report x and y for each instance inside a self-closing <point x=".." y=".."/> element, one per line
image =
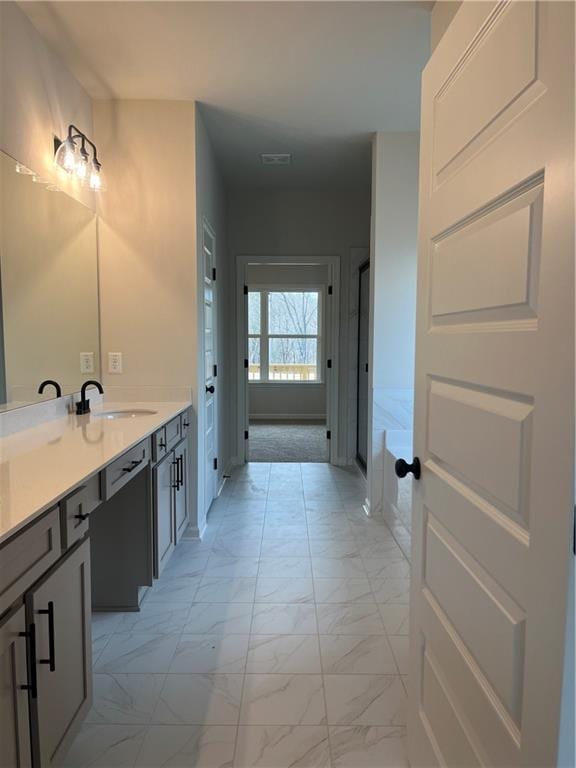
<point x="86" y="362"/>
<point x="114" y="362"/>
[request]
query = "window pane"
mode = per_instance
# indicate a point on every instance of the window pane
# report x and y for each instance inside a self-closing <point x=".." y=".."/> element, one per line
<point x="254" y="359"/>
<point x="254" y="312"/>
<point x="293" y="312"/>
<point x="293" y="359"/>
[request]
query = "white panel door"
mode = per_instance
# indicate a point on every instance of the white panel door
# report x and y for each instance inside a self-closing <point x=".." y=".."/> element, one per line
<point x="494" y="415"/>
<point x="210" y="367"/>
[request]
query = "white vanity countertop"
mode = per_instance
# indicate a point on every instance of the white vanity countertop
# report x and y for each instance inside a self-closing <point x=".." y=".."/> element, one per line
<point x="42" y="464"/>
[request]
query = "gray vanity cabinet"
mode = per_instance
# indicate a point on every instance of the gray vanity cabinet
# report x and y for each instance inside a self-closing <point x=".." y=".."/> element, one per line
<point x="15" y="749"/>
<point x="60" y="607"/>
<point x="164" y="475"/>
<point x="181" y="491"/>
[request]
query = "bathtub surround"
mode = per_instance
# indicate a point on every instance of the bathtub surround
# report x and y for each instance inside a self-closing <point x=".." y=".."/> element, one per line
<point x="392" y="297"/>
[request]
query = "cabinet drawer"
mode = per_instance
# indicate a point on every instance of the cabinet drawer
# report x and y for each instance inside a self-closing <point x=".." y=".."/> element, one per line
<point x="76" y="509"/>
<point x="184" y="424"/>
<point x="159" y="445"/>
<point x="121" y="471"/>
<point x="28" y="556"/>
<point x="173" y="431"/>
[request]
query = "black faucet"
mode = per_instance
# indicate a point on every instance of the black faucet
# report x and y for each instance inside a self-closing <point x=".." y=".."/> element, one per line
<point x="83" y="405"/>
<point x="50" y="383"/>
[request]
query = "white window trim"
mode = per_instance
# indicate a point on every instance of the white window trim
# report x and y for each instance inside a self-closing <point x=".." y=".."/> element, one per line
<point x="264" y="290"/>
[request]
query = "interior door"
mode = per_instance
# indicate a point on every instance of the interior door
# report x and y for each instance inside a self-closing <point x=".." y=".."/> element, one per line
<point x="210" y="357"/>
<point x="494" y="415"/>
<point x="363" y="352"/>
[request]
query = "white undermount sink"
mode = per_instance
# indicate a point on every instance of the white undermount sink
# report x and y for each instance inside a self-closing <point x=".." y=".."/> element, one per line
<point x="129" y="413"/>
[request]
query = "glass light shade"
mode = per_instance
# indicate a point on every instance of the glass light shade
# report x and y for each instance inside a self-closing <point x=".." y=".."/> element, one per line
<point x="65" y="156"/>
<point x="95" y="181"/>
<point x="23" y="170"/>
<point x="82" y="169"/>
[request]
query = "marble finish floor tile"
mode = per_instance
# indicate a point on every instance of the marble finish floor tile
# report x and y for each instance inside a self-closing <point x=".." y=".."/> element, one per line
<point x="239" y="590"/>
<point x="219" y="619"/>
<point x="401" y="651"/>
<point x="221" y="566"/>
<point x="283" y="700"/>
<point x="137" y="652"/>
<point x="283" y="654"/>
<point x="210" y="653"/>
<point x="364" y="746"/>
<point x="357" y="654"/>
<point x="365" y="699"/>
<point x="337" y="567"/>
<point x="350" y="590"/>
<point x="282" y="746"/>
<point x="350" y="619"/>
<point x="105" y="746"/>
<point x="162" y="617"/>
<point x="187" y="746"/>
<point x="199" y="700"/>
<point x="285" y="590"/>
<point x="396" y="618"/>
<point x="177" y="589"/>
<point x="288" y="619"/>
<point x="281" y="548"/>
<point x="124" y="699"/>
<point x="285" y="567"/>
<point x="294" y="600"/>
<point x="391" y="590"/>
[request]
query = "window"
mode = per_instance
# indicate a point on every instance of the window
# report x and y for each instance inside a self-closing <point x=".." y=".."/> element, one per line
<point x="284" y="335"/>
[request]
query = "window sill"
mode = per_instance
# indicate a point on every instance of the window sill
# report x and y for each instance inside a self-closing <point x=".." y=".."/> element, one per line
<point x="252" y="383"/>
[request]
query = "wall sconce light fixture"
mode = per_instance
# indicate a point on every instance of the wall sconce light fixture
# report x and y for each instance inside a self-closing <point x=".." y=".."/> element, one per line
<point x="73" y="157"/>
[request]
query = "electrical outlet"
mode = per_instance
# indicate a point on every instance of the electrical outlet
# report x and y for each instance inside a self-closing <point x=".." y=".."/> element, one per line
<point x="86" y="362"/>
<point x="114" y="362"/>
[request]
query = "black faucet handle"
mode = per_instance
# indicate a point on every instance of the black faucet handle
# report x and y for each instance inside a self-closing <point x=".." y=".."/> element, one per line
<point x="50" y="383"/>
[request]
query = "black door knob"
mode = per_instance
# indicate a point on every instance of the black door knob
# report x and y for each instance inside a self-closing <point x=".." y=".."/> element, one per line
<point x="210" y="389"/>
<point x="402" y="468"/>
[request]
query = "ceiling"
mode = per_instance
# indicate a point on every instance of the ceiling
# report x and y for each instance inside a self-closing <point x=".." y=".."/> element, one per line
<point x="311" y="78"/>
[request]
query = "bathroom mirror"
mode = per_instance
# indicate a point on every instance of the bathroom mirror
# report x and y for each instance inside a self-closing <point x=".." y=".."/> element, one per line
<point x="49" y="325"/>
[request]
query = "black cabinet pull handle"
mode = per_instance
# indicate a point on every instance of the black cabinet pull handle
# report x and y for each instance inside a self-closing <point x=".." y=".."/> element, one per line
<point x="133" y="466"/>
<point x="162" y="445"/>
<point x="211" y="389"/>
<point x="32" y="685"/>
<point x="81" y="516"/>
<point x="402" y="468"/>
<point x="176" y="483"/>
<point x="180" y="471"/>
<point x="51" y="661"/>
<point x="186" y="424"/>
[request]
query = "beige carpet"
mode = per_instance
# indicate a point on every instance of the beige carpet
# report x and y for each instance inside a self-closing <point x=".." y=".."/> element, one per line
<point x="288" y="441"/>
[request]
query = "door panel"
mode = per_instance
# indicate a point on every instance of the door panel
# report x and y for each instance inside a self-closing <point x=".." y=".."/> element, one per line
<point x="181" y="492"/>
<point x="164" y="480"/>
<point x="65" y="687"/>
<point x="494" y="389"/>
<point x="14" y="722"/>
<point x="211" y="360"/>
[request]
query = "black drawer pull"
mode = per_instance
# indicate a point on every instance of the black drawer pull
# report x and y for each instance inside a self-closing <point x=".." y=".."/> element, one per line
<point x="180" y="471"/>
<point x="176" y="465"/>
<point x="32" y="685"/>
<point x="186" y="424"/>
<point x="51" y="639"/>
<point x="133" y="466"/>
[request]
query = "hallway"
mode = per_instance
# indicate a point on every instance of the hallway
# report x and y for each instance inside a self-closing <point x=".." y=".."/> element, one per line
<point x="280" y="639"/>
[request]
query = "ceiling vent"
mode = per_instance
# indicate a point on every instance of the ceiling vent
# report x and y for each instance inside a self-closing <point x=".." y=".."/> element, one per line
<point x="276" y="158"/>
